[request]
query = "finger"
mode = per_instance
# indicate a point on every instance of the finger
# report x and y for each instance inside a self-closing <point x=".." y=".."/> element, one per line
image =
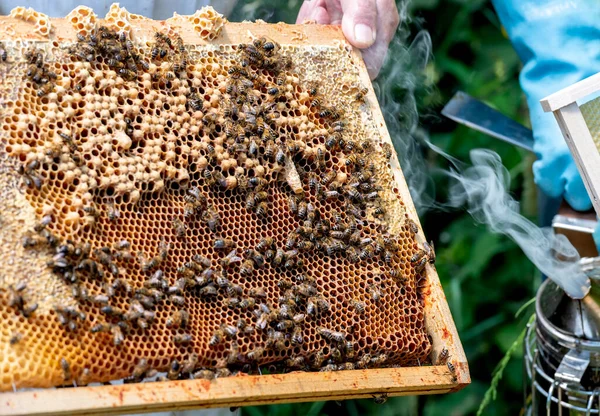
<point x="334" y="8"/>
<point x="314" y="10"/>
<point x="359" y="22"/>
<point x="387" y="24"/>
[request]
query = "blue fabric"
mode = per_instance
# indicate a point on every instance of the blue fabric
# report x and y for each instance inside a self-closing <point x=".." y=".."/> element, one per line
<point x="558" y="42"/>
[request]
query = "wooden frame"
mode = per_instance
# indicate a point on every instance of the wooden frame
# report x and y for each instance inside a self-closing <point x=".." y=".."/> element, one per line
<point x="267" y="389"/>
<point x="576" y="132"/>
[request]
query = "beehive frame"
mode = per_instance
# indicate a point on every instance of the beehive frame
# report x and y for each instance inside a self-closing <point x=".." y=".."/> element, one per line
<point x="276" y="388"/>
<point x="563" y="104"/>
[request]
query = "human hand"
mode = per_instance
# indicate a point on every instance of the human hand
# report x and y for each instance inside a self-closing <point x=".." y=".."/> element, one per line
<point x="369" y="25"/>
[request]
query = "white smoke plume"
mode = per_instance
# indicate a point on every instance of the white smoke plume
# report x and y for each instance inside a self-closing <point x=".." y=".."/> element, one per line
<point x="483" y="189"/>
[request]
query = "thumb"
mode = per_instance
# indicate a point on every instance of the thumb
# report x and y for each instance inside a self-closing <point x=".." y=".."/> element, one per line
<point x="359" y="22"/>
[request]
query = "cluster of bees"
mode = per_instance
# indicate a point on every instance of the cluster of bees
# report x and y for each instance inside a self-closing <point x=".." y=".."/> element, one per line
<point x="247" y="123"/>
<point x="115" y="49"/>
<point x="38" y="72"/>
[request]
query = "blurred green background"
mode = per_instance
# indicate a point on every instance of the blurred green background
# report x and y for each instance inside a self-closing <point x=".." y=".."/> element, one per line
<point x="485" y="276"/>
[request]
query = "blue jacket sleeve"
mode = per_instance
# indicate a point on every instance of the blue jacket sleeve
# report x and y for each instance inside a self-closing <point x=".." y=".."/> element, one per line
<point x="558" y="42"/>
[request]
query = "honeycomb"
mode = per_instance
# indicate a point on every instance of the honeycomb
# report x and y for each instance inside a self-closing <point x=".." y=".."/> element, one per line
<point x="174" y="210"/>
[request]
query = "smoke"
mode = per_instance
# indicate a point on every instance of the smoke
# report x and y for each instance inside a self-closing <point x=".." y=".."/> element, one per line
<point x="481" y="188"/>
<point x="396" y="88"/>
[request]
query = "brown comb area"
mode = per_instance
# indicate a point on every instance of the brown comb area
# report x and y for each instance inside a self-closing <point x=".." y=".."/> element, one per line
<point x="124" y="164"/>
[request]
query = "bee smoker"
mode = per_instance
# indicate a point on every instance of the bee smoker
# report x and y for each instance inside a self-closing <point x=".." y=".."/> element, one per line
<point x="562" y="354"/>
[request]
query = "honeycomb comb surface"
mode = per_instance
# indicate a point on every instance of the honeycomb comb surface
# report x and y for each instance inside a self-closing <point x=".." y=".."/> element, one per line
<point x="102" y="150"/>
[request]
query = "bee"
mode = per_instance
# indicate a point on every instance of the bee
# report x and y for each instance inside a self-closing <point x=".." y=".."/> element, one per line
<point x="204" y="375"/>
<point x="375" y="293"/>
<point x="233" y="302"/>
<point x="177" y="300"/>
<point x="230" y="331"/>
<point x="190" y="364"/>
<point x="101" y="327"/>
<point x="173" y="373"/>
<point x="325" y="112"/>
<point x="297" y="337"/>
<point x="315" y="102"/>
<point x="345" y="366"/>
<point x="211" y="216"/>
<point x="247" y="267"/>
<point x="387" y="150"/>
<point x="311" y="307"/>
<point x="66" y="369"/>
<point x="230" y="259"/>
<point x="265" y="243"/>
<point x="255" y="354"/>
<point x="269" y="46"/>
<point x="202" y="261"/>
<point x="128" y="74"/>
<point x="178" y="226"/>
<point x="112" y="212"/>
<point x="349" y="349"/>
<point x="443" y="357"/>
<point x="361" y="95"/>
<point x="274" y="92"/>
<point x="335" y="355"/>
<point x="379" y="359"/>
<point x="262" y="209"/>
<point x="117" y="334"/>
<point x="380" y="398"/>
<point x="414" y="228"/>
<point x="222" y="372"/>
<point x="207" y="291"/>
<point x="257" y="258"/>
<point x="182" y="339"/>
<point x="275" y="339"/>
<point x="280" y="156"/>
<point x="3" y="53"/>
<point x="195" y="102"/>
<point x="367" y="252"/>
<point x="358" y="306"/>
<point x="15" y="338"/>
<point x="418" y="256"/>
<point x="216" y="338"/>
<point x="338" y="127"/>
<point x="325" y="333"/>
<point x="296" y="362"/>
<point x="258" y="292"/>
<point x="429" y="251"/>
<point x="280" y="79"/>
<point x="223" y="243"/>
<point x="31" y="180"/>
<point x="452" y="370"/>
<point x="84" y="378"/>
<point x="236" y="72"/>
<point x="140" y="369"/>
<point x="329" y="367"/>
<point x="318" y="359"/>
<point x="320" y="157"/>
<point x="378" y="212"/>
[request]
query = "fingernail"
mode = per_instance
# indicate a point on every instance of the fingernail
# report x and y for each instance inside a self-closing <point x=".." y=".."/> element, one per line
<point x="364" y="34"/>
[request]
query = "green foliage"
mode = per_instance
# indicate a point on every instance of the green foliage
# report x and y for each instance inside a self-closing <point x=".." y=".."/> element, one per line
<point x="485" y="276"/>
<point x="492" y="392"/>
